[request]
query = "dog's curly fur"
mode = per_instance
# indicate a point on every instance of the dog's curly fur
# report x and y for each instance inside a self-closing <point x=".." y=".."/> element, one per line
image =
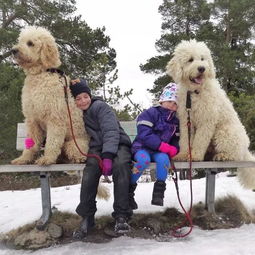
<point x="43" y="101"/>
<point x="216" y="130"/>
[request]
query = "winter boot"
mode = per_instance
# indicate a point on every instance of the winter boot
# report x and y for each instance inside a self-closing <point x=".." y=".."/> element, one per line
<point x="121" y="225"/>
<point x="158" y="193"/>
<point x="86" y="224"/>
<point x="131" y="196"/>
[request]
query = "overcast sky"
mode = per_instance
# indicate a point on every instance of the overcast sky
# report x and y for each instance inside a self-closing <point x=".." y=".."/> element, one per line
<point x="134" y="27"/>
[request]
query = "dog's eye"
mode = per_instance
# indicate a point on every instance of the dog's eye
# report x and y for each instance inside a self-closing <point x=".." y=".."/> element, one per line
<point x="30" y="44"/>
<point x="191" y="60"/>
<point x="202" y="59"/>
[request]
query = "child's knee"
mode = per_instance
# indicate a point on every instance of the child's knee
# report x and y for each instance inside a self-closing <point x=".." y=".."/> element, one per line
<point x="141" y="165"/>
<point x="162" y="158"/>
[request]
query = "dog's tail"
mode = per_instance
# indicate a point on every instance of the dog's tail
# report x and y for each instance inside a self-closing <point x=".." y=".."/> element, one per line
<point x="246" y="176"/>
<point x="103" y="192"/>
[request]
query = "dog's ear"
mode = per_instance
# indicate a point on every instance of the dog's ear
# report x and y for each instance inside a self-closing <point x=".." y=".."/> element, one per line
<point x="211" y="73"/>
<point x="173" y="69"/>
<point x="207" y="52"/>
<point x="50" y="54"/>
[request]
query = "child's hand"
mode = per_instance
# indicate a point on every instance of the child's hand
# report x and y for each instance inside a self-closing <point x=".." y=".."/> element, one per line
<point x="169" y="149"/>
<point x="107" y="167"/>
<point x="29" y="143"/>
<point x="173" y="151"/>
<point x="164" y="147"/>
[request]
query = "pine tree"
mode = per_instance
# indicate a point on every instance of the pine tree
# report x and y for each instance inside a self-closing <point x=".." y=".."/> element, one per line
<point x="235" y="54"/>
<point x="182" y="20"/>
<point x="84" y="52"/>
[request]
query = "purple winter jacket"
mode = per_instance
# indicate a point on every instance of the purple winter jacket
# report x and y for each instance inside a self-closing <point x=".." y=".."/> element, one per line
<point x="154" y="126"/>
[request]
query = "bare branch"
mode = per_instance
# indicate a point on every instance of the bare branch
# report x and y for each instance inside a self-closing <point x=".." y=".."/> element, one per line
<point x="5" y="55"/>
<point x="9" y="20"/>
<point x="12" y="17"/>
<point x="135" y="105"/>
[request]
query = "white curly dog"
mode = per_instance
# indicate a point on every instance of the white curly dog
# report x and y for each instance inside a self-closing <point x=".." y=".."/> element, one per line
<point x="216" y="129"/>
<point x="43" y="101"/>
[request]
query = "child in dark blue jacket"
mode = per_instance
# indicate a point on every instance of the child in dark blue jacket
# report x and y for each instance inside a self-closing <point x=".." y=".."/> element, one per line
<point x="157" y="140"/>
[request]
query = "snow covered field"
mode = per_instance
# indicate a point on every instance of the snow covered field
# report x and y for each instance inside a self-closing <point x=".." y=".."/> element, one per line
<point x="20" y="207"/>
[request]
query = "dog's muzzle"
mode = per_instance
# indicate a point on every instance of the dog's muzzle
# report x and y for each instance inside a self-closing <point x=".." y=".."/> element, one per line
<point x="201" y="69"/>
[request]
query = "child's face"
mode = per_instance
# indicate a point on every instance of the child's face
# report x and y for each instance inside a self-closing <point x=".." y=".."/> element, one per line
<point x="170" y="105"/>
<point x="83" y="101"/>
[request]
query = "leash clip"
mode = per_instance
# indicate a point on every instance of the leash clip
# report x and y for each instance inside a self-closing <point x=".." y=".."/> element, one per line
<point x="188" y="101"/>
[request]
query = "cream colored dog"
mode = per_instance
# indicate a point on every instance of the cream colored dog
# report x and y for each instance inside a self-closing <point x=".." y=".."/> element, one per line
<point x="44" y="106"/>
<point x="43" y="101"/>
<point x="216" y="129"/>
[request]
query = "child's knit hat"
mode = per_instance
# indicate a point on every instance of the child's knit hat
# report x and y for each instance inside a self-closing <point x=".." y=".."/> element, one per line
<point x="169" y="93"/>
<point x="79" y="87"/>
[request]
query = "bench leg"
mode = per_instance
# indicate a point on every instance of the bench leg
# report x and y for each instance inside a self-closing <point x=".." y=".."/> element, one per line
<point x="210" y="190"/>
<point x="182" y="174"/>
<point x="46" y="201"/>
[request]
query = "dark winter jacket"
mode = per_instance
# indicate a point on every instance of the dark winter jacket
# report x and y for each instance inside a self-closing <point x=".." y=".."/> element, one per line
<point x="103" y="128"/>
<point x="154" y="126"/>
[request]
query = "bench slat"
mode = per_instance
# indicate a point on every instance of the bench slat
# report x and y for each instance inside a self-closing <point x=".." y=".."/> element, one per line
<point x="77" y="167"/>
<point x="128" y="126"/>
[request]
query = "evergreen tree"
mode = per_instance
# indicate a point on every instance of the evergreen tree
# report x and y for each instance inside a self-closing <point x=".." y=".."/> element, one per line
<point x="182" y="20"/>
<point x="244" y="105"/>
<point x="234" y="56"/>
<point x="84" y="53"/>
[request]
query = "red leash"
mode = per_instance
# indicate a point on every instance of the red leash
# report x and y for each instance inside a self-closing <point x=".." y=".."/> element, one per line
<point x="100" y="162"/>
<point x="175" y="179"/>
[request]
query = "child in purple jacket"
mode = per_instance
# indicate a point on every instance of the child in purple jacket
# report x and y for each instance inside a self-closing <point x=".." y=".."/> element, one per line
<point x="157" y="140"/>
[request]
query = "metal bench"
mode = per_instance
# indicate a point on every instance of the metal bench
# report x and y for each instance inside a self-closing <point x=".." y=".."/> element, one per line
<point x="211" y="168"/>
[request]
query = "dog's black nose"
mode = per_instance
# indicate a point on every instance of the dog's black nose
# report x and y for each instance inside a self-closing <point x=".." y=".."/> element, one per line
<point x="14" y="51"/>
<point x="201" y="69"/>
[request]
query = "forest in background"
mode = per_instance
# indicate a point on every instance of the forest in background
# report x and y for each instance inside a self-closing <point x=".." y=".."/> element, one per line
<point x="226" y="26"/>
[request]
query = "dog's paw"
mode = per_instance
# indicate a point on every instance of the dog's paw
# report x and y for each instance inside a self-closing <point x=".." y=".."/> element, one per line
<point x="78" y="160"/>
<point x="181" y="157"/>
<point x="44" y="161"/>
<point x="221" y="157"/>
<point x="20" y="161"/>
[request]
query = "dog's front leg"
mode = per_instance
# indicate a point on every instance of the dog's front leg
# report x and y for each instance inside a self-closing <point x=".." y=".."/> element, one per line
<point x="35" y="132"/>
<point x="202" y="138"/>
<point x="183" y="155"/>
<point x="54" y="142"/>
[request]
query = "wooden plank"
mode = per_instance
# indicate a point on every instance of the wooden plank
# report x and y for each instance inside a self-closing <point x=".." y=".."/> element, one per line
<point x="21" y="135"/>
<point x="130" y="128"/>
<point x="215" y="164"/>
<point x="21" y="130"/>
<point x="77" y="167"/>
<point x="20" y="144"/>
<point x="36" y="168"/>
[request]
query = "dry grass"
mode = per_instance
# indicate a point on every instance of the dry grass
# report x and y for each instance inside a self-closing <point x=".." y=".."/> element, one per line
<point x="230" y="213"/>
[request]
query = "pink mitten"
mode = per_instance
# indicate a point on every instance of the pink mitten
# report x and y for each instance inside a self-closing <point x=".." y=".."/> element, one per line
<point x="173" y="151"/>
<point x="29" y="143"/>
<point x="164" y="147"/>
<point x="107" y="167"/>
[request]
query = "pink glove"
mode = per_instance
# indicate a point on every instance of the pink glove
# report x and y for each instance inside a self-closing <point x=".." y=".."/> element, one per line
<point x="173" y="151"/>
<point x="107" y="167"/>
<point x="29" y="143"/>
<point x="164" y="147"/>
<point x="167" y="148"/>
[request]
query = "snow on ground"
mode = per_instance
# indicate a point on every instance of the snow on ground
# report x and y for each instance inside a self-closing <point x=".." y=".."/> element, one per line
<point x="20" y="207"/>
